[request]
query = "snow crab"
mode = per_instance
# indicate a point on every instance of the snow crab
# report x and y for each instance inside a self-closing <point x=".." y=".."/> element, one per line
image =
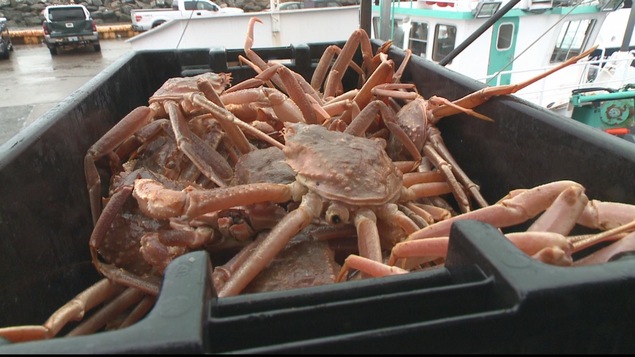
<point x="340" y="178"/>
<point x="184" y="149"/>
<point x="553" y="209"/>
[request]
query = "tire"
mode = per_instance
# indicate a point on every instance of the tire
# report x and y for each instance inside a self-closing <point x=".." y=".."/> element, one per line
<point x="53" y="51"/>
<point x="158" y="23"/>
<point x="97" y="48"/>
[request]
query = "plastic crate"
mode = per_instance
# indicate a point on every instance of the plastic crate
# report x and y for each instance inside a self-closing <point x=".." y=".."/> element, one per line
<point x="489" y="297"/>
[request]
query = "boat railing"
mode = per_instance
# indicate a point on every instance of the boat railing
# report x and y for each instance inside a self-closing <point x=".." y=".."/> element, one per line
<point x="614" y="71"/>
<point x="469" y="5"/>
<point x="447" y="5"/>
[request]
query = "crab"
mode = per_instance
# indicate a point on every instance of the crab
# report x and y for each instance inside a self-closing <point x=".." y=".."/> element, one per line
<point x="129" y="245"/>
<point x="340" y="178"/>
<point x="553" y="209"/>
<point x="418" y="117"/>
<point x="142" y="123"/>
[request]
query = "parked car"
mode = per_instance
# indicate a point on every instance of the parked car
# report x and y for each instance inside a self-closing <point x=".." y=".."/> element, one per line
<point x="291" y="5"/>
<point x="5" y="40"/>
<point x="321" y="3"/>
<point x="295" y="5"/>
<point x="69" y="26"/>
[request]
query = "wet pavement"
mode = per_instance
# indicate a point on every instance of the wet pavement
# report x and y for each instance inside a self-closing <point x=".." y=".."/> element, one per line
<point x="32" y="81"/>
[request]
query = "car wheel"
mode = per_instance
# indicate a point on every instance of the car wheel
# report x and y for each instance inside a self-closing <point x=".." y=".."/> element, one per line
<point x="53" y="51"/>
<point x="97" y="48"/>
<point x="157" y="23"/>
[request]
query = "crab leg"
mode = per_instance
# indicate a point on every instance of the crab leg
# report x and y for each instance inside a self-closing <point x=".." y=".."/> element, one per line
<point x="446" y="169"/>
<point x="206" y="159"/>
<point x="481" y="96"/>
<point x="325" y="61"/>
<point x="381" y="75"/>
<point x="362" y="121"/>
<point x="222" y="273"/>
<point x="521" y="205"/>
<point x="334" y="80"/>
<point x="262" y="78"/>
<point x="115" y="307"/>
<point x="72" y="311"/>
<point x="139" y="311"/>
<point x="161" y="203"/>
<point x="285" y="109"/>
<point x="511" y="210"/>
<point x="253" y="56"/>
<point x="561" y="216"/>
<point x="276" y="240"/>
<point x="369" y="267"/>
<point x="625" y="244"/>
<point x="550" y="248"/>
<point x="429" y="212"/>
<point x="297" y="94"/>
<point x="368" y="236"/>
<point x="531" y="243"/>
<point x="224" y="115"/>
<point x="364" y="96"/>
<point x="436" y="141"/>
<point x="105" y="146"/>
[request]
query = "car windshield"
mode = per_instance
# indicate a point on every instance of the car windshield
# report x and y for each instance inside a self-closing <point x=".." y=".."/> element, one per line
<point x="66" y="14"/>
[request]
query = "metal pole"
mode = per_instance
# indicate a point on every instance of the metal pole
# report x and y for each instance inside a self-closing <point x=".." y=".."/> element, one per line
<point x="385" y="23"/>
<point x="455" y="52"/>
<point x="365" y="15"/>
<point x="275" y="22"/>
<point x="630" y="24"/>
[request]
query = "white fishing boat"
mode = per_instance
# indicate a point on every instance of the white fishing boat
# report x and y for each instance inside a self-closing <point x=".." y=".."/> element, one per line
<point x="276" y="28"/>
<point x="493" y="41"/>
<point x="509" y="41"/>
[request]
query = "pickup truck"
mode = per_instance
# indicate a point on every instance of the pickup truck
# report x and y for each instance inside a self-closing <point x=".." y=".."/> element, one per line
<point x="69" y="26"/>
<point x="146" y="19"/>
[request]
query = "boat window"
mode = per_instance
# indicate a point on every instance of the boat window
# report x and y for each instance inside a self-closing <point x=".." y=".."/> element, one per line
<point x="505" y="36"/>
<point x="205" y="6"/>
<point x="376" y="27"/>
<point x="397" y="33"/>
<point x="418" y="38"/>
<point x="572" y="39"/>
<point x="444" y="39"/>
<point x="66" y="14"/>
<point x="198" y="5"/>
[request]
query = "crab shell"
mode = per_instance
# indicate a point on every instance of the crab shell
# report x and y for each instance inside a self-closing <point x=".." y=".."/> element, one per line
<point x="341" y="167"/>
<point x="176" y="86"/>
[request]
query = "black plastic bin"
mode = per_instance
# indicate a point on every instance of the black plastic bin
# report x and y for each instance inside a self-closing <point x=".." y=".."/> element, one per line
<point x="489" y="297"/>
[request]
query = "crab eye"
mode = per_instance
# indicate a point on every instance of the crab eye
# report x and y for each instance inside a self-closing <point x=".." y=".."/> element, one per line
<point x="336" y="214"/>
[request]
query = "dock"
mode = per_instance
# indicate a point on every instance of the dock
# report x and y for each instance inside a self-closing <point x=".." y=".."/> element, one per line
<point x="36" y="35"/>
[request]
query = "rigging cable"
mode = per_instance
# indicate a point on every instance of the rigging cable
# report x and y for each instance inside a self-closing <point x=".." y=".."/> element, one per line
<point x="533" y="43"/>
<point x="186" y="24"/>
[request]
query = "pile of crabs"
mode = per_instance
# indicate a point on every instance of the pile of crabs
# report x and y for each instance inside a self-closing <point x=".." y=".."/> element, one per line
<point x="289" y="184"/>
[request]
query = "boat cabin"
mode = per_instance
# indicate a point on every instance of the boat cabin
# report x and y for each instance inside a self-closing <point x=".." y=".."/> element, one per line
<point x="472" y="38"/>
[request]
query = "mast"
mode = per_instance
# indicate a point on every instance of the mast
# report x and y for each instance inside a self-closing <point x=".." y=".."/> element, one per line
<point x="628" y="33"/>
